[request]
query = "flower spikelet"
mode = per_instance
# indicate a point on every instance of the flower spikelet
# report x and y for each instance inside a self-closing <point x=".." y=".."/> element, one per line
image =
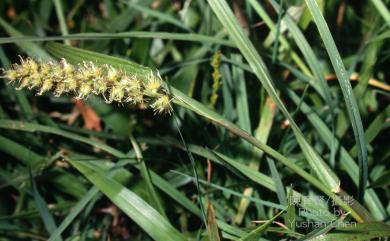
<point x="162" y="105"/>
<point x="87" y="78"/>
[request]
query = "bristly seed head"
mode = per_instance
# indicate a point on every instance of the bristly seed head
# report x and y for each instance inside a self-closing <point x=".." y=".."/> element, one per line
<point x="87" y="78"/>
<point x="47" y="85"/>
<point x="11" y="75"/>
<point x="153" y="85"/>
<point x="162" y="105"/>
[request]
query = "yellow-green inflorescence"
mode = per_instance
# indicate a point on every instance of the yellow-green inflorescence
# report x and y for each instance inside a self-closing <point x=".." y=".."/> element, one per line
<point x="87" y="78"/>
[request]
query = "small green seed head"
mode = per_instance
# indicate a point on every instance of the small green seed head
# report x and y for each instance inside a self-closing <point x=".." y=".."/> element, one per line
<point x="99" y="86"/>
<point x="32" y="66"/>
<point x="67" y="68"/>
<point x="87" y="78"/>
<point x="117" y="93"/>
<point x="60" y="88"/>
<point x="153" y="85"/>
<point x="56" y="72"/>
<point x="24" y="82"/>
<point x="84" y="90"/>
<point x="44" y="69"/>
<point x="11" y="75"/>
<point x="70" y="84"/>
<point x="35" y="81"/>
<point x="22" y="70"/>
<point x="112" y="74"/>
<point x="162" y="105"/>
<point x="46" y="86"/>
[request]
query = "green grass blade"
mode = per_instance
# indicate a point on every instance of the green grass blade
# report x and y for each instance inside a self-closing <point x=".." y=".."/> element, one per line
<point x="285" y="44"/>
<point x="231" y="229"/>
<point x="76" y="209"/>
<point x="42" y="208"/>
<point x="346" y="88"/>
<point x="257" y="233"/>
<point x="242" y="107"/>
<point x="82" y="203"/>
<point x="212" y="226"/>
<point x="244" y="122"/>
<point x="323" y="230"/>
<point x="197" y="107"/>
<point x="291" y="217"/>
<point x="78" y="55"/>
<point x="226" y="17"/>
<point x="382" y="9"/>
<point x="61" y="19"/>
<point x="20" y="152"/>
<point x="153" y="196"/>
<point x="382" y="181"/>
<point x="262" y="132"/>
<point x="191" y="37"/>
<point x="281" y="193"/>
<point x="137" y="209"/>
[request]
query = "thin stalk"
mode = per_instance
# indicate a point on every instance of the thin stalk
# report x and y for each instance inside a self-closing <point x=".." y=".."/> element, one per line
<point x="61" y="19"/>
<point x="154" y="198"/>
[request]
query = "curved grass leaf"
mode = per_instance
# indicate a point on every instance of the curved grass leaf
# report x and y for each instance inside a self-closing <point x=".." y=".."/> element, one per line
<point x="382" y="9"/>
<point x="82" y="203"/>
<point x="192" y="37"/>
<point x="382" y="181"/>
<point x="24" y="154"/>
<point x="153" y="196"/>
<point x="137" y="209"/>
<point x="43" y="210"/>
<point x="257" y="233"/>
<point x="346" y="88"/>
<point x="76" y="209"/>
<point x="61" y="19"/>
<point x="322" y="230"/>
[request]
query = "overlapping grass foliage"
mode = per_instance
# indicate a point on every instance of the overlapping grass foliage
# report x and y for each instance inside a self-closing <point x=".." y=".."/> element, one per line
<point x="269" y="135"/>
